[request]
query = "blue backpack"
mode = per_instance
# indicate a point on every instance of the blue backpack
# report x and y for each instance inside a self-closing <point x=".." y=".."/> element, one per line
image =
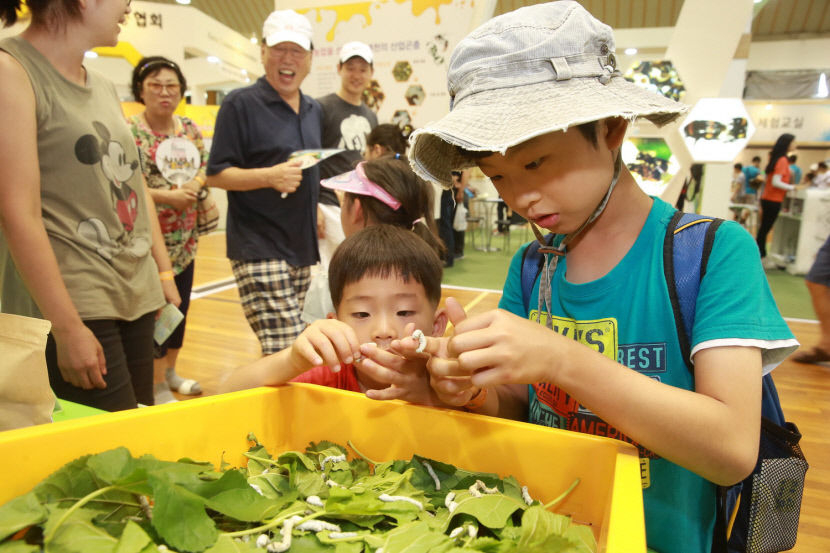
<point x="761" y="512"/>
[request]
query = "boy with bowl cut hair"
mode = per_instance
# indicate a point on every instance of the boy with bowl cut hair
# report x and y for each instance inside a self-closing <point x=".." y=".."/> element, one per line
<point x="385" y="282"/>
<point x="612" y="366"/>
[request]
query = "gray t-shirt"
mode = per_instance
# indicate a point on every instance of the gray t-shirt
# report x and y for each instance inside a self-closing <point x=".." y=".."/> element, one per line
<point x="345" y="126"/>
<point x="92" y="198"/>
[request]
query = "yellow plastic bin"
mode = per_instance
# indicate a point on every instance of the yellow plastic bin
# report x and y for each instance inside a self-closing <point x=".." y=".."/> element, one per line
<point x="609" y="496"/>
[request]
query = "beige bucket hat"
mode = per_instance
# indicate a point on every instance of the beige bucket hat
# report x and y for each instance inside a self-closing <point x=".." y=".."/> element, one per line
<point x="526" y="73"/>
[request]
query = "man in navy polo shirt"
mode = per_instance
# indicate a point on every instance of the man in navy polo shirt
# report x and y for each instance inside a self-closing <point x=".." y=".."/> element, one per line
<point x="272" y="203"/>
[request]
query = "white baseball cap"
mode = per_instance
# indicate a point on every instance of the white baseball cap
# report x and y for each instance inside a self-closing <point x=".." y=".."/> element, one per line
<point x="287" y="26"/>
<point x="359" y="49"/>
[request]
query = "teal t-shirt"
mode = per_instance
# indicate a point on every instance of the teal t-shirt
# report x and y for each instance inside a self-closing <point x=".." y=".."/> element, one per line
<point x="627" y="316"/>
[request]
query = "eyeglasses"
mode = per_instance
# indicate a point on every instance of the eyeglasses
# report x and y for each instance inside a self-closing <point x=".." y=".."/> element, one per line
<point x="286" y="52"/>
<point x="156" y="88"/>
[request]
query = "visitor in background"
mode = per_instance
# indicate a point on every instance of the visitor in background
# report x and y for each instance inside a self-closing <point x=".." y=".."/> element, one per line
<point x="818" y="284"/>
<point x="776" y="186"/>
<point x="272" y="203"/>
<point x="346" y="122"/>
<point x="753" y="179"/>
<point x="795" y="170"/>
<point x="174" y="169"/>
<point x="385" y="139"/>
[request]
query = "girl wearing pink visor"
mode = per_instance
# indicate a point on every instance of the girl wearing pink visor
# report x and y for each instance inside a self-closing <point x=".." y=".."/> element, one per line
<point x="380" y="191"/>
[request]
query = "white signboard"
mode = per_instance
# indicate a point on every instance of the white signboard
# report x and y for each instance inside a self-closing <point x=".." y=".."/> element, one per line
<point x="412" y="43"/>
<point x="808" y="121"/>
<point x="717" y="129"/>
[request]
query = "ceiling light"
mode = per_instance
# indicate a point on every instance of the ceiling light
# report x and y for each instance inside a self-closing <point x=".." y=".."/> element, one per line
<point x="254" y="40"/>
<point x="768" y="107"/>
<point x="822" y="86"/>
<point x="213" y="59"/>
<point x="184" y="2"/>
<point x="630" y="51"/>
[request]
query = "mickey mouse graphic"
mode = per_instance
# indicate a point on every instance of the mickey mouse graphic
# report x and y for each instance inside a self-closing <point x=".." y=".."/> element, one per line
<point x="111" y="157"/>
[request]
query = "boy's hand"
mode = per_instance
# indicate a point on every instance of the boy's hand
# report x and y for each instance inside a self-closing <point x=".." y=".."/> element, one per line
<point x="498" y="347"/>
<point x="325" y="342"/>
<point x="405" y="373"/>
<point x="450" y="382"/>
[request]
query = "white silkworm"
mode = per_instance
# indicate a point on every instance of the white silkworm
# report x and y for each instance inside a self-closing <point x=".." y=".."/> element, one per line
<point x="448" y="499"/>
<point x="479" y="487"/>
<point x="314" y="500"/>
<point x="314" y="525"/>
<point x="526" y="496"/>
<point x="390" y="498"/>
<point x="257" y="489"/>
<point x="284" y="544"/>
<point x="422" y="340"/>
<point x="332" y="459"/>
<point x="342" y="535"/>
<point x="457" y="532"/>
<point x="472" y="531"/>
<point x="262" y="541"/>
<point x="332" y="484"/>
<point x="433" y="475"/>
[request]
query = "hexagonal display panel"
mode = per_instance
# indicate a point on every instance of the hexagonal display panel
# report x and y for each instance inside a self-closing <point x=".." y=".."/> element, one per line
<point x="717" y="129"/>
<point x="657" y="76"/>
<point x="651" y="162"/>
<point x="402" y="71"/>
<point x="415" y="95"/>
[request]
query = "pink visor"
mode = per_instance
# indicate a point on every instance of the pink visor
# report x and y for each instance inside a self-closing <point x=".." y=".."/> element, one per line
<point x="357" y="183"/>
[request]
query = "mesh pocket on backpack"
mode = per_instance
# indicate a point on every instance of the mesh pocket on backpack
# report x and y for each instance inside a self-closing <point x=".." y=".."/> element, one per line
<point x="775" y="490"/>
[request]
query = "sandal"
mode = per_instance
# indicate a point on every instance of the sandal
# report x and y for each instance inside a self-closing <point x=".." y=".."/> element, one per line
<point x="185" y="386"/>
<point x="814" y="355"/>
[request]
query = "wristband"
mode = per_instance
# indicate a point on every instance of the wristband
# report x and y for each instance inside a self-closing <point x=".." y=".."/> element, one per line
<point x="166" y="275"/>
<point x="477" y="400"/>
<point x="200" y="179"/>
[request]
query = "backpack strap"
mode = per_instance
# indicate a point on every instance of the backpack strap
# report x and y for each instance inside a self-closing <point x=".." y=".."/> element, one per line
<point x="532" y="260"/>
<point x="686" y="248"/>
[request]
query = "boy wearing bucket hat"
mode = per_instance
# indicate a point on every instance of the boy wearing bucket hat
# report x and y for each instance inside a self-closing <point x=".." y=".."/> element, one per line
<point x="272" y="202"/>
<point x="538" y="105"/>
<point x="347" y="120"/>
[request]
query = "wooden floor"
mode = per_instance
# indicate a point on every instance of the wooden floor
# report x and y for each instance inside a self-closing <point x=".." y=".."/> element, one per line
<point x="218" y="339"/>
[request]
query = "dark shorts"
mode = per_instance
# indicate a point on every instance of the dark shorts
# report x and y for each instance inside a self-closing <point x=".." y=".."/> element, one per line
<point x="820" y="271"/>
<point x="128" y="349"/>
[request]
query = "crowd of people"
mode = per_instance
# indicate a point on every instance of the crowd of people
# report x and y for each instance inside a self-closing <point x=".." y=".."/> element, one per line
<point x="84" y="247"/>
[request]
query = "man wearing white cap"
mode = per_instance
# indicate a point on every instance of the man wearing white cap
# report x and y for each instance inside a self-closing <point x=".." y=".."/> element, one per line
<point x="272" y="203"/>
<point x="590" y="342"/>
<point x="346" y="123"/>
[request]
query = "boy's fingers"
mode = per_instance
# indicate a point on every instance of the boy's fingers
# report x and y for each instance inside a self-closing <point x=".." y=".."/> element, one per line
<point x="387" y="393"/>
<point x="432" y="345"/>
<point x="455" y="312"/>
<point x="344" y="341"/>
<point x="380" y="373"/>
<point x="446" y="367"/>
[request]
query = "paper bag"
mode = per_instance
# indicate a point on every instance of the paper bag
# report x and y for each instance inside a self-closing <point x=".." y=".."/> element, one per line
<point x="25" y="396"/>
